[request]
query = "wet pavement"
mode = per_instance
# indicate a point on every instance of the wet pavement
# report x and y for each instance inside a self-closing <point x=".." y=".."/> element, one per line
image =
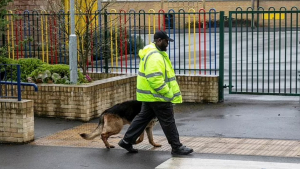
<point x="213" y="130"/>
<point x="214" y="145"/>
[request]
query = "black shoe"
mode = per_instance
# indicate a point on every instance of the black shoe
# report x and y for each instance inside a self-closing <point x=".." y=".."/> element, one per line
<point x="182" y="150"/>
<point x="128" y="147"/>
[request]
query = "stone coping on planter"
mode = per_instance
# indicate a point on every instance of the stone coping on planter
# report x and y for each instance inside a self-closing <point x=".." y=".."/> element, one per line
<point x="96" y="82"/>
<point x="13" y="101"/>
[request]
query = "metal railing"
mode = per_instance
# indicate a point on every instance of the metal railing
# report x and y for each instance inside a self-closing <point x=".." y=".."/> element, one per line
<point x="263" y="51"/>
<point x="7" y="86"/>
<point x="116" y="37"/>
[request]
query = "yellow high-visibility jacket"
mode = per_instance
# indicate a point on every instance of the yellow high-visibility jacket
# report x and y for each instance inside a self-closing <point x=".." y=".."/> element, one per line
<point x="156" y="81"/>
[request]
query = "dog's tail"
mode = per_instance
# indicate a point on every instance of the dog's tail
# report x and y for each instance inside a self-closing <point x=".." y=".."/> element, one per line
<point x="96" y="132"/>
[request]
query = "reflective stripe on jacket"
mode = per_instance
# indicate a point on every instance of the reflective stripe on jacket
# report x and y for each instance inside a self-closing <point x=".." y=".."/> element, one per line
<point x="156" y="79"/>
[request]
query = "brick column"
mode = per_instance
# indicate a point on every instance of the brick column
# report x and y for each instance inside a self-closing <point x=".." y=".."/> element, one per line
<point x="16" y="121"/>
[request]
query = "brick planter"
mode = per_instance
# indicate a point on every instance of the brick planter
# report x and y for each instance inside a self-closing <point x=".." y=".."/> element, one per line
<point x="16" y="121"/>
<point x="87" y="101"/>
<point x="81" y="102"/>
<point x="200" y="89"/>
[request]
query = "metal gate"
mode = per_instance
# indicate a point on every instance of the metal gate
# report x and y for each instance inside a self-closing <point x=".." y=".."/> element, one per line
<point x="263" y="51"/>
<point x="109" y="41"/>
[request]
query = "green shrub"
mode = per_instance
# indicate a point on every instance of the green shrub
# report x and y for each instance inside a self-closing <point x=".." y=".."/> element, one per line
<point x="37" y="71"/>
<point x="59" y="74"/>
<point x="28" y="65"/>
<point x="5" y="60"/>
<point x="139" y="44"/>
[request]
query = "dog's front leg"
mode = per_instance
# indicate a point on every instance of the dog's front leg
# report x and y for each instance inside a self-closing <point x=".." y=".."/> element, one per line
<point x="140" y="139"/>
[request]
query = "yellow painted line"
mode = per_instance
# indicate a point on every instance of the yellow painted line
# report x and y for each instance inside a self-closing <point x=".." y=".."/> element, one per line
<point x="78" y="47"/>
<point x="189" y="23"/>
<point x="149" y="24"/>
<point x="111" y="40"/>
<point x="8" y="37"/>
<point x="42" y="32"/>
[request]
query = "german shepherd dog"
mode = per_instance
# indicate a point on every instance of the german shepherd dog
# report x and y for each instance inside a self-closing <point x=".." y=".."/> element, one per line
<point x="112" y="120"/>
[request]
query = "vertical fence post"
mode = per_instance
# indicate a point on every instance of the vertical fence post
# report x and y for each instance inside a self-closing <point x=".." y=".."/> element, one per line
<point x="19" y="81"/>
<point x="221" y="58"/>
<point x="3" y="30"/>
<point x="105" y="41"/>
<point x="230" y="51"/>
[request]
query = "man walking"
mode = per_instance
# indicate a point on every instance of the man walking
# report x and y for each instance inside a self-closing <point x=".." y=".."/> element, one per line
<point x="157" y="89"/>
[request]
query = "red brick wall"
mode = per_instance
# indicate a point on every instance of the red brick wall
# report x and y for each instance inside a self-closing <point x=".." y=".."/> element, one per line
<point x="28" y="4"/>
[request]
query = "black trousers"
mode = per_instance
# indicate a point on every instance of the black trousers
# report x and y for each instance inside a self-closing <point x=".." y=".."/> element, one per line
<point x="165" y="115"/>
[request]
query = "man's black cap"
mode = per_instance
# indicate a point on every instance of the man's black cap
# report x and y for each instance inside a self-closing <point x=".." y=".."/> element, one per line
<point x="162" y="35"/>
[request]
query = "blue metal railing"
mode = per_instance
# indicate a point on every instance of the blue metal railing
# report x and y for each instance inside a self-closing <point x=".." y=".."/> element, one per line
<point x="7" y="71"/>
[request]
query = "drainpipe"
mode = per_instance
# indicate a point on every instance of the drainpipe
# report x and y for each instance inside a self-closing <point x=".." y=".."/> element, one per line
<point x="257" y="4"/>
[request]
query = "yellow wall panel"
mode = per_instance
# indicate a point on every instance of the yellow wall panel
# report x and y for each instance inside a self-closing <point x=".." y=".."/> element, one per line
<point x="271" y="16"/>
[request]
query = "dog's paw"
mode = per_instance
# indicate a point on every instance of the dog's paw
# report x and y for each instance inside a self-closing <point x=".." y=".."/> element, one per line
<point x="138" y="141"/>
<point x="111" y="146"/>
<point x="83" y="135"/>
<point x="157" y="145"/>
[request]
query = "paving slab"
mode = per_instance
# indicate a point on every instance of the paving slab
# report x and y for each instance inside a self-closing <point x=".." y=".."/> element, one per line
<point x="196" y="163"/>
<point x="214" y="145"/>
